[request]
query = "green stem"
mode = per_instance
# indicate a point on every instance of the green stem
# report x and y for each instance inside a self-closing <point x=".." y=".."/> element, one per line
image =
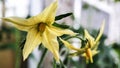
<point x="68" y="61"/>
<point x="54" y="63"/>
<point x="62" y="65"/>
<point x="42" y="57"/>
<point x="74" y="37"/>
<point x="17" y="50"/>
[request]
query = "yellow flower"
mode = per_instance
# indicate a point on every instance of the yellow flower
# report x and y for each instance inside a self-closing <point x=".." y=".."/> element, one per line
<point x="40" y="30"/>
<point x="92" y="43"/>
<point x="91" y="46"/>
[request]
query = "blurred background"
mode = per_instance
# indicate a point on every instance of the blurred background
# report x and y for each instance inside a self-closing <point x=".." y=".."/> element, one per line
<point x="87" y="14"/>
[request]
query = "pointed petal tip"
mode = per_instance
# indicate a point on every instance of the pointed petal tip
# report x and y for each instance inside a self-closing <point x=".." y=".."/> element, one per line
<point x="91" y="60"/>
<point x="3" y="18"/>
<point x="73" y="34"/>
<point x="101" y="31"/>
<point x="24" y="57"/>
<point x="58" y="60"/>
<point x="69" y="46"/>
<point x="103" y="24"/>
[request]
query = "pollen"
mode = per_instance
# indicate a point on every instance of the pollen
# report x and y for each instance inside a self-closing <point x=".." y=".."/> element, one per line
<point x="42" y="27"/>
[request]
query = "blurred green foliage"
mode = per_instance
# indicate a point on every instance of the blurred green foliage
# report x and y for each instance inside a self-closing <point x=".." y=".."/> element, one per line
<point x="116" y="0"/>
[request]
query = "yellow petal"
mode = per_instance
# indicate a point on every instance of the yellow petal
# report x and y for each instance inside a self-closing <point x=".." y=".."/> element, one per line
<point x="84" y="54"/>
<point x="58" y="32"/>
<point x="32" y="41"/>
<point x="70" y="46"/>
<point x="47" y="16"/>
<point x="94" y="52"/>
<point x="74" y="54"/>
<point x="23" y="28"/>
<point x="95" y="47"/>
<point x="86" y="57"/>
<point x="19" y="23"/>
<point x="90" y="39"/>
<point x="49" y="40"/>
<point x="101" y="31"/>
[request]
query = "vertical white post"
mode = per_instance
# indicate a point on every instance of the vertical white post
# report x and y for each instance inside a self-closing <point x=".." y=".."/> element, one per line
<point x="77" y="13"/>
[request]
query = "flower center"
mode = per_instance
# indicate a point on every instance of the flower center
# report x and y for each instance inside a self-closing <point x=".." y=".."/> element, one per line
<point x="42" y="27"/>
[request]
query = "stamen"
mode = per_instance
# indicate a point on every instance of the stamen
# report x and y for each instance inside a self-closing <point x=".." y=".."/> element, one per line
<point x="89" y="54"/>
<point x="42" y="27"/>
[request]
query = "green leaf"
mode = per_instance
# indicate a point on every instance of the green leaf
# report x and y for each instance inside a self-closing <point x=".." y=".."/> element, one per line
<point x="54" y="63"/>
<point x="62" y="16"/>
<point x="61" y="26"/>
